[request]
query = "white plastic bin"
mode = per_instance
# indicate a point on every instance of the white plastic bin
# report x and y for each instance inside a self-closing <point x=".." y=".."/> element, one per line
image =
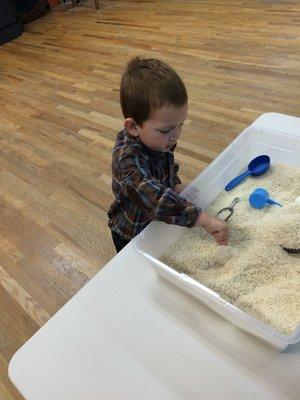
<point x="274" y="134"/>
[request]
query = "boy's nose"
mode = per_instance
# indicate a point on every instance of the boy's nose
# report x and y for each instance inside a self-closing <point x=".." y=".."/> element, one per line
<point x="176" y="134"/>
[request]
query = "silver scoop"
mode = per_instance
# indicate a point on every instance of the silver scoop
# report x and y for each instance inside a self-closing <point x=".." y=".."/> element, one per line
<point x="227" y="212"/>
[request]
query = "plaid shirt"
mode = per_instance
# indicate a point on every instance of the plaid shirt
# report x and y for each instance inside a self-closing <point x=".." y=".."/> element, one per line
<point x="143" y="184"/>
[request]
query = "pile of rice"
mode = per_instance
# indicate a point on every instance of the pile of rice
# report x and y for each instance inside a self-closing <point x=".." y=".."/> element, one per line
<point x="260" y="277"/>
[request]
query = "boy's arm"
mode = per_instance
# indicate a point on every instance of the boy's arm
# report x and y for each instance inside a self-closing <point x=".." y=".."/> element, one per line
<point x="178" y="185"/>
<point x="161" y="203"/>
<point x="177" y="180"/>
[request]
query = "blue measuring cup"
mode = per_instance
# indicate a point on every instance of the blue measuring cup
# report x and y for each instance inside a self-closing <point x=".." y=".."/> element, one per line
<point x="260" y="197"/>
<point x="258" y="166"/>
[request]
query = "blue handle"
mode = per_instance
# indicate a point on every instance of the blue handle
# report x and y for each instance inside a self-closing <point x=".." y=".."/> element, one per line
<point x="232" y="184"/>
<point x="270" y="201"/>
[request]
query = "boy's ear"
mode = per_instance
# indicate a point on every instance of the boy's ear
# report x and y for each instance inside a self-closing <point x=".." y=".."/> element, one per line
<point x="131" y="126"/>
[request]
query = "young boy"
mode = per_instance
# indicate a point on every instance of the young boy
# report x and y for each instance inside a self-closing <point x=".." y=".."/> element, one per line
<point x="145" y="181"/>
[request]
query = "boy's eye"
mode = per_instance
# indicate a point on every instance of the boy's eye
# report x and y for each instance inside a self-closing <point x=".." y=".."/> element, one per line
<point x="165" y="131"/>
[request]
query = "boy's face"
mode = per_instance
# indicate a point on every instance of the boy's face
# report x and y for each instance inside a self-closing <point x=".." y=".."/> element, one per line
<point x="162" y="130"/>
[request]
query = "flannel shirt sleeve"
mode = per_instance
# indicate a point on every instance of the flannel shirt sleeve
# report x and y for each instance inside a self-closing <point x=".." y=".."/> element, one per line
<point x="160" y="202"/>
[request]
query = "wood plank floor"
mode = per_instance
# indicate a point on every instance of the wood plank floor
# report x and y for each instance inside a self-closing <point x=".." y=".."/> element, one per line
<point x="59" y="114"/>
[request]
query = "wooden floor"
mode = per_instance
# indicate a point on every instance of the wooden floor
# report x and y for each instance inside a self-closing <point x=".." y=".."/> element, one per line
<point x="59" y="114"/>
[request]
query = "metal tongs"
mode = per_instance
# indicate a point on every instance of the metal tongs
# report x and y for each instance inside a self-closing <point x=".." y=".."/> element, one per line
<point x="228" y="210"/>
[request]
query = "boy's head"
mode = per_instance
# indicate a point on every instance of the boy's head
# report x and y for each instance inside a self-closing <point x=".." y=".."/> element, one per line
<point x="154" y="102"/>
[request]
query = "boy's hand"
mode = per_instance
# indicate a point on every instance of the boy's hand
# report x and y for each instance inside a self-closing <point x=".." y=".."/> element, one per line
<point x="215" y="226"/>
<point x="180" y="187"/>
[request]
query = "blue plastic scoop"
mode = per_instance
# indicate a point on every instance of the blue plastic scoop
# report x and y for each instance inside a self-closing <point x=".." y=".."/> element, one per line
<point x="258" y="166"/>
<point x="260" y="197"/>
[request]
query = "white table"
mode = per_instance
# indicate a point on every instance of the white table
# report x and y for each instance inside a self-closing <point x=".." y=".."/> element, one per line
<point x="127" y="335"/>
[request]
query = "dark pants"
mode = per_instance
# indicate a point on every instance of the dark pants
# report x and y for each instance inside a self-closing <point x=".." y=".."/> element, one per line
<point x="119" y="241"/>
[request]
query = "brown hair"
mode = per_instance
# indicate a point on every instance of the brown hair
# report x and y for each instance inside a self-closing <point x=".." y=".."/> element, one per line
<point x="148" y="84"/>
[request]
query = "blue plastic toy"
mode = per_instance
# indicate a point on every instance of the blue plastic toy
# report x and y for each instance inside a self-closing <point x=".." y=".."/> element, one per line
<point x="260" y="197"/>
<point x="258" y="166"/>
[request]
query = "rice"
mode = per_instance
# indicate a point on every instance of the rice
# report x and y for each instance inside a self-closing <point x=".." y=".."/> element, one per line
<point x="257" y="275"/>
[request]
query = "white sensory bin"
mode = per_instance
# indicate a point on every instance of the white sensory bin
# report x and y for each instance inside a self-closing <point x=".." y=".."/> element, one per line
<point x="255" y="140"/>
